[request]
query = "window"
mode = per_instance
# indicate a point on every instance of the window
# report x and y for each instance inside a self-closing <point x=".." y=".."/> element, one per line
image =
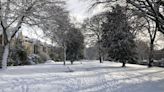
<point x="35" y="49"/>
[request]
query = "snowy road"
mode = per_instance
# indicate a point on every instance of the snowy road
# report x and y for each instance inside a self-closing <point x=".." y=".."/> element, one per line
<point x="87" y="77"/>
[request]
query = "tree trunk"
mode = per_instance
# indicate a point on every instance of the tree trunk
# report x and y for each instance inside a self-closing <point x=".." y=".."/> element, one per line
<point x="100" y="58"/>
<point x="64" y="54"/>
<point x="100" y="52"/>
<point x="151" y="56"/>
<point x="71" y="62"/>
<point x="123" y="63"/>
<point x="5" y="56"/>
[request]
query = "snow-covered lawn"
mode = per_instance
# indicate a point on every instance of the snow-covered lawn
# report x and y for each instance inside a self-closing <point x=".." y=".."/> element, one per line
<point x="90" y="76"/>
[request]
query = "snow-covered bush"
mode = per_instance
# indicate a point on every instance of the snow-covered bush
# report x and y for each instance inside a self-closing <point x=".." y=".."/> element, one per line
<point x="56" y="54"/>
<point x="41" y="57"/>
<point x="11" y="62"/>
<point x="34" y="59"/>
<point x="49" y="62"/>
<point x="44" y="56"/>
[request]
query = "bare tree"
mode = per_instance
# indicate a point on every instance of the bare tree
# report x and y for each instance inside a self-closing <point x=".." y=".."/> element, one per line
<point x="15" y="13"/>
<point x="152" y="30"/>
<point x="58" y="27"/>
<point x="139" y="23"/>
<point x="153" y="9"/>
<point x="60" y="36"/>
<point x="93" y="25"/>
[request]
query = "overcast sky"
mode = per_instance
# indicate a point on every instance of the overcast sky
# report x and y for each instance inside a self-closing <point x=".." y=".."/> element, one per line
<point x="80" y="9"/>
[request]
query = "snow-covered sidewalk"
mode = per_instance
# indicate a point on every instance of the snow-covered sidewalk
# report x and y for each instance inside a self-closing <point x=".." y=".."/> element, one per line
<point x="91" y="76"/>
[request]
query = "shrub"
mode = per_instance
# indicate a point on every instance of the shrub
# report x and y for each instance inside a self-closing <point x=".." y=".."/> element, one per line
<point x="56" y="56"/>
<point x="34" y="59"/>
<point x="11" y="62"/>
<point x="23" y="57"/>
<point x="44" y="57"/>
<point x="18" y="56"/>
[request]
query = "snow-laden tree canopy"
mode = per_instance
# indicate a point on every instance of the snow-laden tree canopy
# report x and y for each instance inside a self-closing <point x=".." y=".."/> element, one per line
<point x="14" y="13"/>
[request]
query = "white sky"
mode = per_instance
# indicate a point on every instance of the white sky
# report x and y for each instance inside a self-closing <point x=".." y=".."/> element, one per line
<point x="79" y="9"/>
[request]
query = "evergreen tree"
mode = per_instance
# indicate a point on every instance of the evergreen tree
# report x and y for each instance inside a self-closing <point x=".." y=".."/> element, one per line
<point x="117" y="37"/>
<point x="75" y="45"/>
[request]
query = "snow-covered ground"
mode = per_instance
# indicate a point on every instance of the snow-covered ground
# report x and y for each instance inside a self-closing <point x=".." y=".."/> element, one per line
<point x="90" y="76"/>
